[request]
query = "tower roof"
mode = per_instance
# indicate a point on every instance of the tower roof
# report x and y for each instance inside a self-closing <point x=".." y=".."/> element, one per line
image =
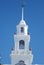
<point x="22" y="22"/>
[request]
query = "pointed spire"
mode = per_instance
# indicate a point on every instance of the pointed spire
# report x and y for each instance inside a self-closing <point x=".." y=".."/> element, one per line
<point x="22" y="20"/>
<point x="22" y="9"/>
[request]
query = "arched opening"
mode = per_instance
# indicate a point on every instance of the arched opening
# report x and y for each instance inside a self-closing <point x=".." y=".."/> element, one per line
<point x="22" y="30"/>
<point x="21" y="44"/>
<point x="21" y="62"/>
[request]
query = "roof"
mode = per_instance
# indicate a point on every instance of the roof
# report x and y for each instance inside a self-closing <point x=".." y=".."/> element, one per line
<point x="22" y="22"/>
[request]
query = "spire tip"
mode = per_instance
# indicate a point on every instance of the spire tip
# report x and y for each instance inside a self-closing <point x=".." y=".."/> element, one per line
<point x="22" y="9"/>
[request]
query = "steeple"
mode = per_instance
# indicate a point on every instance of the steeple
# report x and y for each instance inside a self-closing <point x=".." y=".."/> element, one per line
<point x="22" y="22"/>
<point x="22" y="9"/>
<point x="21" y="50"/>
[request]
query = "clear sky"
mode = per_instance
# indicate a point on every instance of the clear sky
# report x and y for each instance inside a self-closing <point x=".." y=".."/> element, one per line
<point x="10" y="16"/>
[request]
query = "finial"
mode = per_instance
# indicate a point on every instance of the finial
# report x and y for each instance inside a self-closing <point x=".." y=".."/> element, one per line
<point x="22" y="9"/>
<point x="22" y="3"/>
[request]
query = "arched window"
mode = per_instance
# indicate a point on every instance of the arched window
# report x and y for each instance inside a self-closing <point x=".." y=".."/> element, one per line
<point x="21" y="63"/>
<point x="22" y="29"/>
<point x="21" y="44"/>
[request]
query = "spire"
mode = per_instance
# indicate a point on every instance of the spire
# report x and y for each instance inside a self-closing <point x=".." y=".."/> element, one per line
<point x="22" y="22"/>
<point x="22" y="9"/>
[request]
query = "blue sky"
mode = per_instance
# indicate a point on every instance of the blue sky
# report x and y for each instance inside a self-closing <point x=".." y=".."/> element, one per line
<point x="10" y="16"/>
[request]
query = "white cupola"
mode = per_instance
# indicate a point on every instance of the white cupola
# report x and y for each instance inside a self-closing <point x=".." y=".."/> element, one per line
<point x="22" y="28"/>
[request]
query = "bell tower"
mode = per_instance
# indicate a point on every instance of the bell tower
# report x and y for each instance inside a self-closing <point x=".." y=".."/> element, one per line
<point x="21" y="54"/>
<point x="22" y="38"/>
